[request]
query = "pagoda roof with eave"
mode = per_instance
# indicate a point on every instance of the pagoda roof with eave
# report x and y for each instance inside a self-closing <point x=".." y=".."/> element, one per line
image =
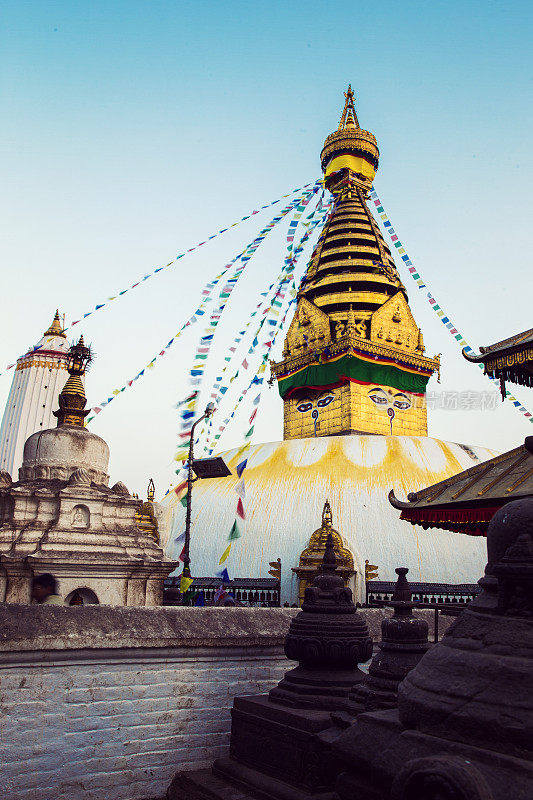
<point x="466" y="502"/>
<point x="509" y="360"/>
<point x="514" y="344"/>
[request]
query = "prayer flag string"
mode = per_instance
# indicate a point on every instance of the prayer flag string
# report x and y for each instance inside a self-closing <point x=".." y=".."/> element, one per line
<point x="206" y="341"/>
<point x="206" y="297"/>
<point x="186" y="252"/>
<point x="281" y="293"/>
<point x="437" y="308"/>
<point x="165" y="266"/>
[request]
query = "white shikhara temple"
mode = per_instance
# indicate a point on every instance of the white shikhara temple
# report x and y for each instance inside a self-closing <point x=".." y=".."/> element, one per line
<point x="40" y="375"/>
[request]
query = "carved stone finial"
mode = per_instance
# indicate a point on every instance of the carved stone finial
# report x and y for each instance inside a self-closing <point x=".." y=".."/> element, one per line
<point x="120" y="488"/>
<point x="5" y="479"/>
<point x="80" y="477"/>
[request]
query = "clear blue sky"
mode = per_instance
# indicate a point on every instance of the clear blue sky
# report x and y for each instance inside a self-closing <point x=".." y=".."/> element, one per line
<point x="132" y="130"/>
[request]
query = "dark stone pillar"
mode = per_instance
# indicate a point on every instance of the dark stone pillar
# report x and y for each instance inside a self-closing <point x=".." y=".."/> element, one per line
<point x="404" y="642"/>
<point x="280" y="741"/>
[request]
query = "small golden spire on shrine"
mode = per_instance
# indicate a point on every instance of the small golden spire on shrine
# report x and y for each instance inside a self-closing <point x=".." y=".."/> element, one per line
<point x="311" y="557"/>
<point x="350" y="322"/>
<point x="327" y="517"/>
<point x="349" y="117"/>
<point x="72" y="399"/>
<point x="145" y="515"/>
<point x="55" y="328"/>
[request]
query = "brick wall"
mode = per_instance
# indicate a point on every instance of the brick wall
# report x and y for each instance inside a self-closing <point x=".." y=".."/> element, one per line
<point x="120" y="727"/>
<point x="100" y="722"/>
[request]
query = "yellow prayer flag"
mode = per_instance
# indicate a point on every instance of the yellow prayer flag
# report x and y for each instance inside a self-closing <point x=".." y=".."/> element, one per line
<point x="225" y="554"/>
<point x="185" y="583"/>
<point x="241" y="450"/>
<point x="115" y="391"/>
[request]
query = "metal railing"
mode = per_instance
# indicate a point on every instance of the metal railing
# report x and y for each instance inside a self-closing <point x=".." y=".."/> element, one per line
<point x="246" y="591"/>
<point x="447" y="598"/>
<point x="452" y="594"/>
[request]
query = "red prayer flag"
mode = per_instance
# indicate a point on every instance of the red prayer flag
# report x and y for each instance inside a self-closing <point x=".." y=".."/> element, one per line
<point x="240" y="509"/>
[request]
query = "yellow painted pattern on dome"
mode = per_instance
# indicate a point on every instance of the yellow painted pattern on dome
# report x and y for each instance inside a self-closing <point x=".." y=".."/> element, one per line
<point x="287" y="484"/>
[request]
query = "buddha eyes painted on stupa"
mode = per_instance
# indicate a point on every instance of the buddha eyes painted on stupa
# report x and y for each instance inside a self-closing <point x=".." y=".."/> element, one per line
<point x="384" y="399"/>
<point x="388" y="401"/>
<point x="306" y="403"/>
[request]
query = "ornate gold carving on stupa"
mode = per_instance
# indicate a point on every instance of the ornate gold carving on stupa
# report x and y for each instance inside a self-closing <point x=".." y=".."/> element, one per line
<point x="145" y="517"/>
<point x="311" y="557"/>
<point x="353" y="331"/>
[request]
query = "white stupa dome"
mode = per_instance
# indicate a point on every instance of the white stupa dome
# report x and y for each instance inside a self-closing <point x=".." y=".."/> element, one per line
<point x="58" y="452"/>
<point x="287" y="484"/>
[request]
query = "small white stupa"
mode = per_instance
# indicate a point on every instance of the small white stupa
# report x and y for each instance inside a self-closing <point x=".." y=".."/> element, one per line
<point x="61" y="516"/>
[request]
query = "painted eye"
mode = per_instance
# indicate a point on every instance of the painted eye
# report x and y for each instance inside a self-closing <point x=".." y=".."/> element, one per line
<point x="379" y="400"/>
<point x="305" y="406"/>
<point x="402" y="404"/>
<point x="401" y="401"/>
<point x="325" y="401"/>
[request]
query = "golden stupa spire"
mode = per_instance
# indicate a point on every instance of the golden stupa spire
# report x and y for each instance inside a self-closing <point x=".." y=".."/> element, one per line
<point x="56" y="328"/>
<point x="72" y="399"/>
<point x="353" y="357"/>
<point x="349" y="117"/>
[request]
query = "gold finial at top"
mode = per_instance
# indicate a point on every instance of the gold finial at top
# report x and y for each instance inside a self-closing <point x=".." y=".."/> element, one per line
<point x="55" y="328"/>
<point x="349" y="117"/>
<point x="327" y="517"/>
<point x="150" y="492"/>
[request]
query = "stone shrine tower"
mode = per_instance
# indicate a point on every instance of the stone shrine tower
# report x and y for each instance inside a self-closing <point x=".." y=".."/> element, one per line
<point x="61" y="516"/>
<point x="353" y="360"/>
<point x="40" y="374"/>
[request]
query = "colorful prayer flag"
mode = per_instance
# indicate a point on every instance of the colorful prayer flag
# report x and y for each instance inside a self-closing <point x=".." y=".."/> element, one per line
<point x="225" y="554"/>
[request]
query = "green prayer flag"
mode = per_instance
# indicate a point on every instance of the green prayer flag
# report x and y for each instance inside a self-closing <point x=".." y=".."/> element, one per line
<point x="249" y="432"/>
<point x="183" y="500"/>
<point x="234" y="533"/>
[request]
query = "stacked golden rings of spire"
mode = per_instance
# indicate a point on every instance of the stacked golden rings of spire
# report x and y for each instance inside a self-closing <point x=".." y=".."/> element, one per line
<point x="352" y="140"/>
